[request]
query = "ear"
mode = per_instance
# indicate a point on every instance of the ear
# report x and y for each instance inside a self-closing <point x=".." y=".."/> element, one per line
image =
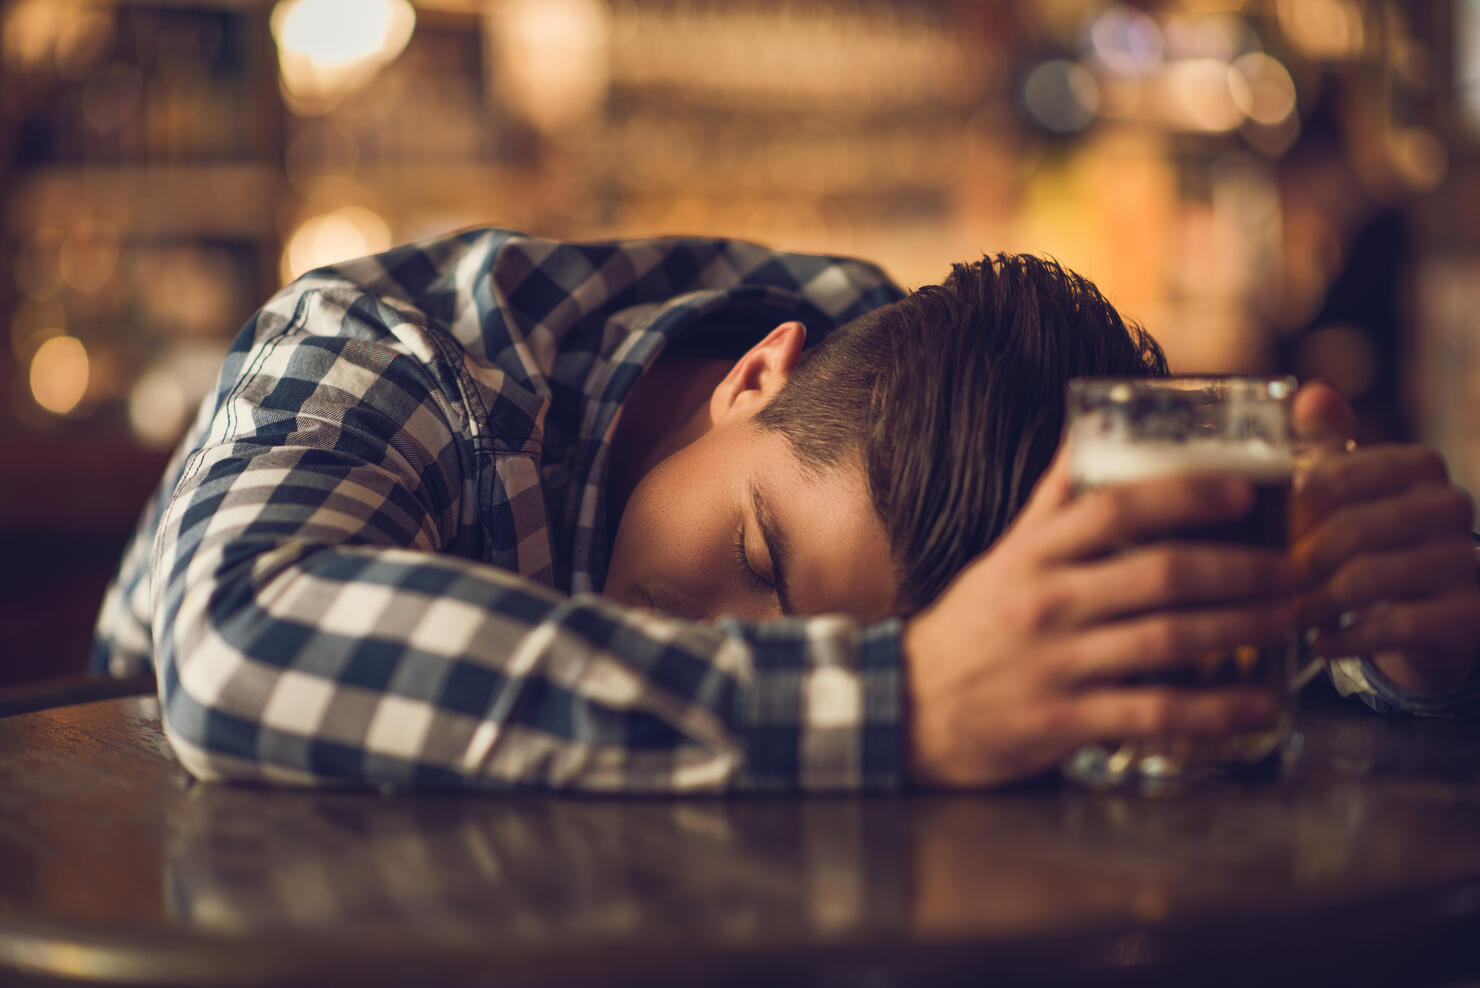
<point x="756" y="377"/>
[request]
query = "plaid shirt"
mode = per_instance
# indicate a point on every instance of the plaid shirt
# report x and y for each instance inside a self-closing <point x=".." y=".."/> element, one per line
<point x="375" y="557"/>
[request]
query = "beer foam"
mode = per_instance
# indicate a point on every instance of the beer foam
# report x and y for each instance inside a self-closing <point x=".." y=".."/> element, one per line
<point x="1100" y="463"/>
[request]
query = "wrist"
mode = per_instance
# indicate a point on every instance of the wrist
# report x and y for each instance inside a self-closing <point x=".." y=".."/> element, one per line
<point x="922" y="737"/>
<point x="1426" y="677"/>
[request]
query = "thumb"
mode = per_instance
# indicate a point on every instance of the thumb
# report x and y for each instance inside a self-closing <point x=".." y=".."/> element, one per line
<point x="1319" y="414"/>
<point x="1055" y="488"/>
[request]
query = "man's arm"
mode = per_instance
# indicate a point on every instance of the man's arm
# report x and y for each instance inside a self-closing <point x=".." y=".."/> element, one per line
<point x="312" y="623"/>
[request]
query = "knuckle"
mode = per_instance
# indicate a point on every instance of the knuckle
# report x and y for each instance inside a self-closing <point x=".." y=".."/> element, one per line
<point x="1033" y="611"/>
<point x="1431" y="465"/>
<point x="1036" y="611"/>
<point x="1157" y="713"/>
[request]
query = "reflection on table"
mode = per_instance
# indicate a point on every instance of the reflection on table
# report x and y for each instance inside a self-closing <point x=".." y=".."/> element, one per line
<point x="110" y="848"/>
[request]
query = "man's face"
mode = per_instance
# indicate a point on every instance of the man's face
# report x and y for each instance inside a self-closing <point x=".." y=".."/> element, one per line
<point x="731" y="524"/>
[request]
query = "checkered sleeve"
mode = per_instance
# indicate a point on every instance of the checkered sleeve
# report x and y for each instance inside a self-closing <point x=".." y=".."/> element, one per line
<point x="312" y="625"/>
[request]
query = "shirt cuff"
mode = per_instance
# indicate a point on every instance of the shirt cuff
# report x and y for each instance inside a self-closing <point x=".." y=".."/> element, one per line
<point x="824" y="709"/>
<point x="1359" y="676"/>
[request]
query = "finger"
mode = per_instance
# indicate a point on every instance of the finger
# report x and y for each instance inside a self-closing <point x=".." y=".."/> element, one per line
<point x="1320" y="415"/>
<point x="1412" y="574"/>
<point x="1055" y="488"/>
<point x="1378" y="471"/>
<point x="1168" y="641"/>
<point x="1158" y="711"/>
<point x="1165" y="575"/>
<point x="1377" y="526"/>
<point x="1447" y="624"/>
<point x="1124" y="514"/>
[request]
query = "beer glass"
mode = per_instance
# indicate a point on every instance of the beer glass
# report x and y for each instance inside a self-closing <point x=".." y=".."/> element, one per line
<point x="1125" y="430"/>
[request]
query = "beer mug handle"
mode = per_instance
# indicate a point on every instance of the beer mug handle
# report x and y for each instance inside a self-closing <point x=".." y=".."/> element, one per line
<point x="1308" y="666"/>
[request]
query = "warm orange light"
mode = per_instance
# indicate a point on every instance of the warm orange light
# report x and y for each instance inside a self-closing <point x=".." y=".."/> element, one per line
<point x="348" y="232"/>
<point x="1262" y="88"/>
<point x="59" y="374"/>
<point x="1198" y="95"/>
<point x="89" y="255"/>
<point x="554" y="58"/>
<point x="329" y="48"/>
<point x="1330" y="29"/>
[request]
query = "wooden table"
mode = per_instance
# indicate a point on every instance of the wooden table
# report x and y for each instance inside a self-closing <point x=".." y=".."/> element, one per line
<point x="1363" y="866"/>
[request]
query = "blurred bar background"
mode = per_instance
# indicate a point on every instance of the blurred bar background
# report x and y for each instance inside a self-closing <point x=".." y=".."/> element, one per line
<point x="1268" y="185"/>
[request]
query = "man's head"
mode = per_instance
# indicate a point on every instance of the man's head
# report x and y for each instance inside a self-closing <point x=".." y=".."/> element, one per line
<point x="862" y="475"/>
<point x="952" y="400"/>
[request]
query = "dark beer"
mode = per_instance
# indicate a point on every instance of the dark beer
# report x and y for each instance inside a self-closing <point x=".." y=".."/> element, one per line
<point x="1267" y="467"/>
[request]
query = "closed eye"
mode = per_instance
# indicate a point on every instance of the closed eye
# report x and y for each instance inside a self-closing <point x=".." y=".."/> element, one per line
<point x="742" y="560"/>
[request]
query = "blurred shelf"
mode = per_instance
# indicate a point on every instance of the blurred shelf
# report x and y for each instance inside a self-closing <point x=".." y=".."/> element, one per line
<point x="246" y="201"/>
<point x="211" y="200"/>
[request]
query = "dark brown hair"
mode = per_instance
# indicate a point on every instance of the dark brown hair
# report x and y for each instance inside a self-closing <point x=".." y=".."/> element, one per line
<point x="954" y="397"/>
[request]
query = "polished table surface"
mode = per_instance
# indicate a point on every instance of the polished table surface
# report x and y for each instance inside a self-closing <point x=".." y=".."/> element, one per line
<point x="1361" y="865"/>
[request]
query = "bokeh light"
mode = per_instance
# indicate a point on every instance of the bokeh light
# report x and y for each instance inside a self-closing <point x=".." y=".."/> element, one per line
<point x="1198" y="95"/>
<point x="1265" y="91"/>
<point x="1221" y="37"/>
<point x="88" y="255"/>
<point x="66" y="36"/>
<point x="554" y="58"/>
<point x="157" y="408"/>
<point x="59" y="374"/>
<point x="1061" y="95"/>
<point x="1323" y="29"/>
<point x="164" y="397"/>
<point x="1126" y="41"/>
<point x="329" y="48"/>
<point x="1419" y="157"/>
<point x="345" y="233"/>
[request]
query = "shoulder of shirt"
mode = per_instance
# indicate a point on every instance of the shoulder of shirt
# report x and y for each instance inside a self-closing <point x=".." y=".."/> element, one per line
<point x="508" y="300"/>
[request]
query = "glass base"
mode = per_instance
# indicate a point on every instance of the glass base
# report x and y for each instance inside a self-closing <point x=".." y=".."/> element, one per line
<point x="1164" y="764"/>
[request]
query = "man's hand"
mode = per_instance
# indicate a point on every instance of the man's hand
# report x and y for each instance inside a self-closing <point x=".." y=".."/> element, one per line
<point x="1382" y="534"/>
<point x="1026" y="655"/>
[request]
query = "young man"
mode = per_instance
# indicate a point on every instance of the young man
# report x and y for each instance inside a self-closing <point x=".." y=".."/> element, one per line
<point x="377" y="556"/>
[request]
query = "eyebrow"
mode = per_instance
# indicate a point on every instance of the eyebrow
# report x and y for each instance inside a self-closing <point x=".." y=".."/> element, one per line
<point x="778" y="547"/>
